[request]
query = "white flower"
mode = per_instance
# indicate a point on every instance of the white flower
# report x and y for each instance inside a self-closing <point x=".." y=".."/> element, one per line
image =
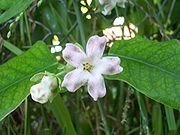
<point x="110" y="4"/>
<point x="42" y="91"/>
<point x="89" y="67"/>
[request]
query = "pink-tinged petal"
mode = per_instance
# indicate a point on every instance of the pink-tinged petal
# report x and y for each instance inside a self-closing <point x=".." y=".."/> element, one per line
<point x="73" y="55"/>
<point x="96" y="87"/>
<point x="74" y="79"/>
<point x="110" y="66"/>
<point x="95" y="46"/>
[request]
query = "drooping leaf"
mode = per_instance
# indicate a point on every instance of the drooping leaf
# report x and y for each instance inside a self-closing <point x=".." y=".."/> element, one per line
<point x="151" y="67"/>
<point x="16" y="73"/>
<point x="15" y="9"/>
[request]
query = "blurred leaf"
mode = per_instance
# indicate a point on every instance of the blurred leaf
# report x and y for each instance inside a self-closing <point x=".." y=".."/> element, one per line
<point x="156" y="2"/>
<point x="15" y="76"/>
<point x="49" y="19"/>
<point x="15" y="9"/>
<point x="12" y="48"/>
<point x="5" y="4"/>
<point x="62" y="115"/>
<point x="151" y="67"/>
<point x="175" y="13"/>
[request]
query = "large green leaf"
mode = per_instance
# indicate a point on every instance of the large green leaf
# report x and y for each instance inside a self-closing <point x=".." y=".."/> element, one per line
<point x="151" y="67"/>
<point x="15" y="9"/>
<point x="15" y="75"/>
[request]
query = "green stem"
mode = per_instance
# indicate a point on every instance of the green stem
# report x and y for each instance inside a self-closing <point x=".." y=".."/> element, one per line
<point x="80" y="24"/>
<point x="27" y="28"/>
<point x="22" y="29"/>
<point x="88" y="116"/>
<point x="170" y="120"/>
<point x="143" y="112"/>
<point x="103" y="118"/>
<point x="12" y="129"/>
<point x="26" y="119"/>
<point x="69" y="32"/>
<point x="62" y="115"/>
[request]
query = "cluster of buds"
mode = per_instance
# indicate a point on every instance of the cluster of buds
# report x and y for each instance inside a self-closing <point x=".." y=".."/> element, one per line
<point x="43" y="91"/>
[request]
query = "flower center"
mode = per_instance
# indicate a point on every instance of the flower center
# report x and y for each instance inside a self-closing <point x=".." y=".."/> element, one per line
<point x="87" y="66"/>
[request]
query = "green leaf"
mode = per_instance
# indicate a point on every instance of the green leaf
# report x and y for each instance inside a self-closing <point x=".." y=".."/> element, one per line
<point x="16" y="73"/>
<point x="151" y="67"/>
<point x="15" y="9"/>
<point x="37" y="77"/>
<point x="5" y="4"/>
<point x="12" y="47"/>
<point x="62" y="115"/>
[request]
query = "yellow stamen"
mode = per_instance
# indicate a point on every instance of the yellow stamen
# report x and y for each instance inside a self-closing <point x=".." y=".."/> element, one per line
<point x="87" y="67"/>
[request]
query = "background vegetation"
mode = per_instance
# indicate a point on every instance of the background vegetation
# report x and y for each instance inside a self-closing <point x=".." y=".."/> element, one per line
<point x="123" y="110"/>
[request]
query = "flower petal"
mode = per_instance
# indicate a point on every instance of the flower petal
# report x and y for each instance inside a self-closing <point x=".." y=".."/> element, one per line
<point x="40" y="93"/>
<point x="75" y="79"/>
<point x="95" y="46"/>
<point x="73" y="55"/>
<point x="109" y="66"/>
<point x="96" y="87"/>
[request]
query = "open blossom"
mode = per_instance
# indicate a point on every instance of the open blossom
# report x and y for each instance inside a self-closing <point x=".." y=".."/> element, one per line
<point x="89" y="67"/>
<point x="42" y="91"/>
<point x="110" y="4"/>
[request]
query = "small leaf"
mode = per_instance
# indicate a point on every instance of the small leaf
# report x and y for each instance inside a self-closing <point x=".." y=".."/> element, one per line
<point x="37" y="77"/>
<point x="16" y="73"/>
<point x="151" y="67"/>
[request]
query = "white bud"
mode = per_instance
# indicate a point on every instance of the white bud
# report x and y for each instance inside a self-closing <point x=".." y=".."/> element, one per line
<point x="50" y="81"/>
<point x="40" y="93"/>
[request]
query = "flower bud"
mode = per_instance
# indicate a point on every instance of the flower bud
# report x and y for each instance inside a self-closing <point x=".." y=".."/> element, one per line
<point x="50" y="81"/>
<point x="40" y="93"/>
